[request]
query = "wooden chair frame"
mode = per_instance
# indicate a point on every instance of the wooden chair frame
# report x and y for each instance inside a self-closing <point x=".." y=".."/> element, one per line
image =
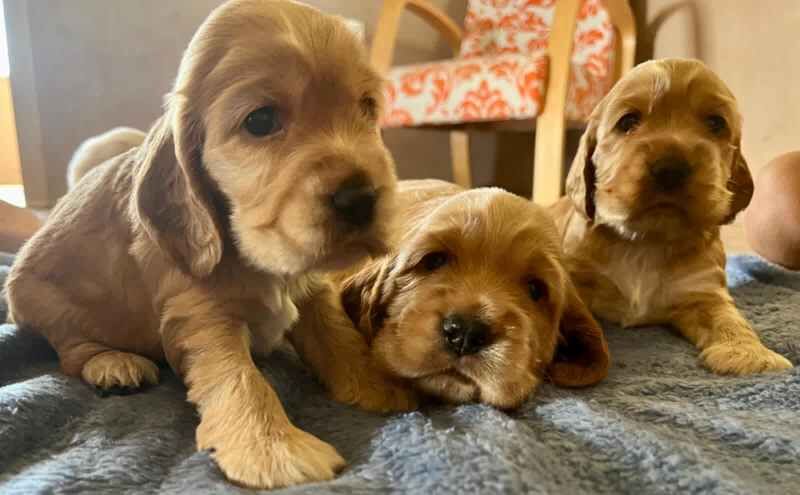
<point x="549" y="170"/>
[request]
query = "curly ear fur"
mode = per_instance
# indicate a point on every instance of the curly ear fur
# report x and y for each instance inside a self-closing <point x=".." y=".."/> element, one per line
<point x="366" y="294"/>
<point x="580" y="185"/>
<point x="171" y="194"/>
<point x="582" y="356"/>
<point x="740" y="184"/>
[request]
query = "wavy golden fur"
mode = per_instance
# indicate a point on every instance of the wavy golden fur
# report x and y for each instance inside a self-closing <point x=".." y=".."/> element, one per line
<point x="202" y="245"/>
<point x="473" y="303"/>
<point x="658" y="170"/>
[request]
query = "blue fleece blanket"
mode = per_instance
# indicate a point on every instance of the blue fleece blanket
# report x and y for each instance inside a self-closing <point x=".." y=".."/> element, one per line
<point x="658" y="424"/>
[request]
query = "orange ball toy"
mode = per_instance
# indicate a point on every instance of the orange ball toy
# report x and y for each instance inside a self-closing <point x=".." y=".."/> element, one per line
<point x="772" y="221"/>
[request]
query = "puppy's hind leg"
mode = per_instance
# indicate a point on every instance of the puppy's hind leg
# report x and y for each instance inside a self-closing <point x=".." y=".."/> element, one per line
<point x="72" y="331"/>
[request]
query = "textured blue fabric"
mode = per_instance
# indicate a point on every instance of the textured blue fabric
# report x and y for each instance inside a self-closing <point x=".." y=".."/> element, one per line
<point x="658" y="424"/>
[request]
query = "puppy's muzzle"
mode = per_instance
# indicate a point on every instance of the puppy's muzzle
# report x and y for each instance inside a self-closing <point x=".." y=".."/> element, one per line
<point x="465" y="335"/>
<point x="670" y="173"/>
<point x="354" y="202"/>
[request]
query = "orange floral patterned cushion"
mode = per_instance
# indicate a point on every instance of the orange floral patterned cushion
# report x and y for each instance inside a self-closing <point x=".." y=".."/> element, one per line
<point x="501" y="71"/>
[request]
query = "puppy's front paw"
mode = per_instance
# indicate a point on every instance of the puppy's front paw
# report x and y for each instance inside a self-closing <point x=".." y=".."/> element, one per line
<point x="383" y="395"/>
<point x="272" y="457"/>
<point x="373" y="391"/>
<point x="743" y="358"/>
<point x="119" y="369"/>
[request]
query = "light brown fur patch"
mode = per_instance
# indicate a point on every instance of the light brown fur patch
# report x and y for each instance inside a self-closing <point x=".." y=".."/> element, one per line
<point x="641" y="254"/>
<point x="496" y="245"/>
<point x="202" y="245"/>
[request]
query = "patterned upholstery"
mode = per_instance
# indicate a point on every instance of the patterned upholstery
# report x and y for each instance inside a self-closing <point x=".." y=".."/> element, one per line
<point x="501" y="71"/>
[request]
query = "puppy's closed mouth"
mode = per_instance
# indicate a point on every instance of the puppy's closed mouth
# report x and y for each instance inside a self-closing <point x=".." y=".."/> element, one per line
<point x="665" y="204"/>
<point x="450" y="385"/>
<point x="373" y="247"/>
<point x="664" y="208"/>
<point x="449" y="374"/>
<point x="458" y="377"/>
<point x="376" y="248"/>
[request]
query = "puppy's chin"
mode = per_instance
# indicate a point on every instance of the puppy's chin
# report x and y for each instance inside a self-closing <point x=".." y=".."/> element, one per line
<point x="295" y="251"/>
<point x="449" y="386"/>
<point x="492" y="376"/>
<point x="347" y="254"/>
<point x="665" y="220"/>
<point x="458" y="387"/>
<point x="269" y="253"/>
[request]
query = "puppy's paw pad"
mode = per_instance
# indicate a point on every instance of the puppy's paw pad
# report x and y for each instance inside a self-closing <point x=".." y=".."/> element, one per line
<point x="293" y="458"/>
<point x="116" y="370"/>
<point x="743" y="359"/>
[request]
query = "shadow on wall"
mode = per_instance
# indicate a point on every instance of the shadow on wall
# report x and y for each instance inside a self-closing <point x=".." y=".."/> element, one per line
<point x="113" y="66"/>
<point x="647" y="31"/>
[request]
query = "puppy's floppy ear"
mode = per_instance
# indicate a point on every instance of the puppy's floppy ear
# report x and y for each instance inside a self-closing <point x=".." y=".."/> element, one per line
<point x="740" y="184"/>
<point x="580" y="185"/>
<point x="172" y="197"/>
<point x="582" y="354"/>
<point x="366" y="294"/>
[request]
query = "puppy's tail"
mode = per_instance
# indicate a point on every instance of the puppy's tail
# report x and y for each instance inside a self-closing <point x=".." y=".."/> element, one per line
<point x="98" y="149"/>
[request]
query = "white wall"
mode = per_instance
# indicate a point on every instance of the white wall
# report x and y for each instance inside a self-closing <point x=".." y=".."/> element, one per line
<point x="82" y="66"/>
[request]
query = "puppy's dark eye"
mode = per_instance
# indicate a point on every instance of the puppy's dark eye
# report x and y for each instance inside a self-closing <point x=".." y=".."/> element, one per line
<point x="434" y="261"/>
<point x="716" y="124"/>
<point x="369" y="106"/>
<point x="537" y="289"/>
<point x="628" y="122"/>
<point x="263" y="122"/>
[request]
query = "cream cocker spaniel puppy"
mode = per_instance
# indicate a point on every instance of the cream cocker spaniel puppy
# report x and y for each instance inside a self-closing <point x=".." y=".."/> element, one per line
<point x="473" y="303"/>
<point x="658" y="171"/>
<point x="202" y="245"/>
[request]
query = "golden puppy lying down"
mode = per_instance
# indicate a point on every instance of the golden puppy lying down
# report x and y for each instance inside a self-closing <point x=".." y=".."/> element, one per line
<point x="201" y="245"/>
<point x="659" y="169"/>
<point x="474" y="304"/>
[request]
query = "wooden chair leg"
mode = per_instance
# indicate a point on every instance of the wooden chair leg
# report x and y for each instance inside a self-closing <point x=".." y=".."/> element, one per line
<point x="459" y="151"/>
<point x="549" y="171"/>
<point x="548" y="160"/>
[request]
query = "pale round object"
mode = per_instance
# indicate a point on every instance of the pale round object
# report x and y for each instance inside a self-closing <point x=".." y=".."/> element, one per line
<point x="772" y="221"/>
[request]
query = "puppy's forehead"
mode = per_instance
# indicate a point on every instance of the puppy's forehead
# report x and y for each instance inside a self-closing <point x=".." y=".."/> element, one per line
<point x="496" y="216"/>
<point x="286" y="42"/>
<point x="676" y="83"/>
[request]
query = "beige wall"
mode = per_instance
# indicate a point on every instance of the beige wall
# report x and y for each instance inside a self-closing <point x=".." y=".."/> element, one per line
<point x="81" y="66"/>
<point x="754" y="45"/>
<point x="9" y="152"/>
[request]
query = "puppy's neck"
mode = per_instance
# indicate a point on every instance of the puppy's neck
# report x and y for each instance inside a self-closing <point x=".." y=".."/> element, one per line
<point x="676" y="244"/>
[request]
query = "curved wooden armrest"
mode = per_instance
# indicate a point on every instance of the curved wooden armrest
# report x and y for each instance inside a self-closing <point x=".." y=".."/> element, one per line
<point x="549" y="170"/>
<point x="386" y="30"/>
<point x="623" y="21"/>
<point x="559" y="48"/>
<point x="562" y="34"/>
<point x="559" y="53"/>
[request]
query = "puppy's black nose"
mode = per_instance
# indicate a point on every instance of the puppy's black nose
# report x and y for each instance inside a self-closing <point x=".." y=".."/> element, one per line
<point x="465" y="335"/>
<point x="354" y="202"/>
<point x="670" y="172"/>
